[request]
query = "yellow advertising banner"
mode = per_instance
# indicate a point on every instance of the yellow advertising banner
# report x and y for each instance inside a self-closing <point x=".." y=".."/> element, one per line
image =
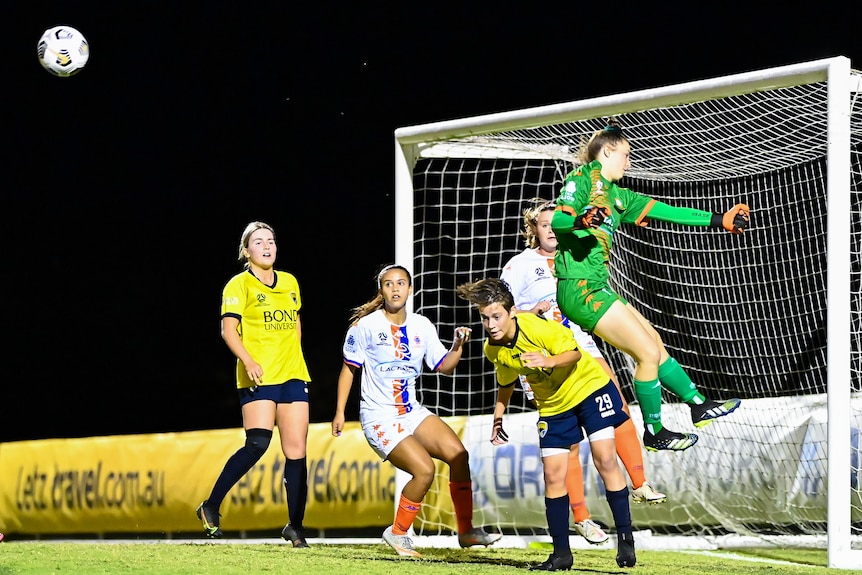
<point x="153" y="483"/>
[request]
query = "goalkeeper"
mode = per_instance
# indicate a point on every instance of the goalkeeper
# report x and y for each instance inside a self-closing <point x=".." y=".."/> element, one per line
<point x="530" y="277"/>
<point x="589" y="210"/>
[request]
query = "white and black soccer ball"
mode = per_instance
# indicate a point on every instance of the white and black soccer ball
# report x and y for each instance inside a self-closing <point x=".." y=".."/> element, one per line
<point x="63" y="51"/>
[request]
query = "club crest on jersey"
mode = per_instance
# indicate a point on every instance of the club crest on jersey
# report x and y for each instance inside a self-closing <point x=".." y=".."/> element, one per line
<point x="543" y="428"/>
<point x="294" y="298"/>
<point x="569" y="191"/>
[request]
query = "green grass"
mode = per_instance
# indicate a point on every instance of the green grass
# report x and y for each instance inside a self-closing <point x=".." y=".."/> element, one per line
<point x="165" y="558"/>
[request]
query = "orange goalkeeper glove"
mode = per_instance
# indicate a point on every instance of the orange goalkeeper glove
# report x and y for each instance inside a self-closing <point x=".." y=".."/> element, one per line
<point x="592" y="218"/>
<point x="735" y="220"/>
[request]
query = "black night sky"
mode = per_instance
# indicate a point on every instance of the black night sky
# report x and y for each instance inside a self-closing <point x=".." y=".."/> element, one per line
<point x="125" y="188"/>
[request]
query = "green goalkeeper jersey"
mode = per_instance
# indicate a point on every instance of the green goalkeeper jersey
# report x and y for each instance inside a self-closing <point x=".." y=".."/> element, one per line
<point x="584" y="253"/>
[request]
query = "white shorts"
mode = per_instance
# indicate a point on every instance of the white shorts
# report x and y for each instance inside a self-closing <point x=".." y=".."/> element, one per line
<point x="586" y="342"/>
<point x="383" y="432"/>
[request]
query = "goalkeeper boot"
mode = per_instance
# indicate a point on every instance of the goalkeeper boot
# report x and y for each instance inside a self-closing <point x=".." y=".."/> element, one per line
<point x="626" y="550"/>
<point x="555" y="563"/>
<point x="591" y="531"/>
<point x="295" y="536"/>
<point x="647" y="494"/>
<point x="210" y="520"/>
<point x="669" y="440"/>
<point x="478" y="536"/>
<point x="704" y="414"/>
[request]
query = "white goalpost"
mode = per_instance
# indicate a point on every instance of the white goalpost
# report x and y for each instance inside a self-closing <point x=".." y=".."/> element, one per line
<point x="773" y="316"/>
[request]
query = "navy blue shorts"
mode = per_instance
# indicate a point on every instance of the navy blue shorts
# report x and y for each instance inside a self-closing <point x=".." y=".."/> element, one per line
<point x="287" y="392"/>
<point x="602" y="409"/>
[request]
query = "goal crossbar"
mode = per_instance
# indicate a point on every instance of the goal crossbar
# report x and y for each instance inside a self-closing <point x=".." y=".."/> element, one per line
<point x="696" y="91"/>
<point x="415" y="142"/>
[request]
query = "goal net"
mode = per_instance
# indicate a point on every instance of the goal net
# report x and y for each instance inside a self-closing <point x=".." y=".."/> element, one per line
<point x="773" y="316"/>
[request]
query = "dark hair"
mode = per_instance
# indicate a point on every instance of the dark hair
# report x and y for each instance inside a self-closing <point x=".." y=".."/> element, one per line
<point x="482" y="293"/>
<point x="377" y="301"/>
<point x="611" y="135"/>
<point x="388" y="267"/>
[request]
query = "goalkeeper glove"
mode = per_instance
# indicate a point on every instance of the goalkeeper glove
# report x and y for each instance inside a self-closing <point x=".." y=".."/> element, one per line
<point x="592" y="218"/>
<point x="499" y="435"/>
<point x="735" y="220"/>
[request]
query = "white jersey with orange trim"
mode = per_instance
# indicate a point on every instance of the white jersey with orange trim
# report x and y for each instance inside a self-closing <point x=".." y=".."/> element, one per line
<point x="391" y="358"/>
<point x="530" y="277"/>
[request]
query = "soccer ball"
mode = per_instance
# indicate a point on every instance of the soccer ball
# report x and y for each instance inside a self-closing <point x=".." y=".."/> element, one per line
<point x="63" y="51"/>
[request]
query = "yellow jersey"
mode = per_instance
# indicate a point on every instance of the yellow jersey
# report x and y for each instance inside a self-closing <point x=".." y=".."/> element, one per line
<point x="267" y="325"/>
<point x="557" y="389"/>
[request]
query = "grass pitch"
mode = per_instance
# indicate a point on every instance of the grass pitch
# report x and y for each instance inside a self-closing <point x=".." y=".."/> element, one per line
<point x="228" y="558"/>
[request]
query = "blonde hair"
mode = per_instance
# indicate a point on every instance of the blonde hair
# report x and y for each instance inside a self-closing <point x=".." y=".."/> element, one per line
<point x="377" y="301"/>
<point x="531" y="220"/>
<point x="611" y="135"/>
<point x="246" y="237"/>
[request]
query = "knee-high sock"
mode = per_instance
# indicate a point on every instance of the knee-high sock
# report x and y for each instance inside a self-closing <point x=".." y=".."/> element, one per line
<point x="630" y="451"/>
<point x="405" y="515"/>
<point x="256" y="443"/>
<point x="462" y="501"/>
<point x="557" y="512"/>
<point x="619" y="504"/>
<point x="575" y="489"/>
<point x="648" y="394"/>
<point x="296" y="485"/>
<point x="673" y="376"/>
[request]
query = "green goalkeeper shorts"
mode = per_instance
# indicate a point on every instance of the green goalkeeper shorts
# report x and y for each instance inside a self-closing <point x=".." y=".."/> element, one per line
<point x="585" y="301"/>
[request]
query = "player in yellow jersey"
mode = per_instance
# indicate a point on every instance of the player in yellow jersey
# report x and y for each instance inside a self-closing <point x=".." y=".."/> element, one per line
<point x="530" y="277"/>
<point x="573" y="395"/>
<point x="260" y="324"/>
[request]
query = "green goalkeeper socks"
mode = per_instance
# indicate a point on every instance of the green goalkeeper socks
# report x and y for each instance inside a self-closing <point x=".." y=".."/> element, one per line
<point x="674" y="378"/>
<point x="648" y="394"/>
